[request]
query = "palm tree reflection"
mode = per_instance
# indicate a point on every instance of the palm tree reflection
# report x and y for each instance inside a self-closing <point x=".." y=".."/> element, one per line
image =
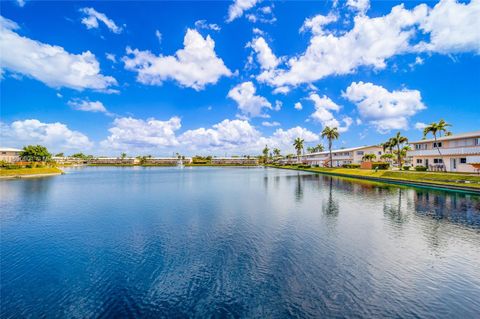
<point x="330" y="206"/>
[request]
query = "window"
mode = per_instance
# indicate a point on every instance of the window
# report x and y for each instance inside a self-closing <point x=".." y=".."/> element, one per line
<point x="4" y="153"/>
<point x="420" y="146"/>
<point x="379" y="153"/>
<point x="359" y="152"/>
<point x="463" y="160"/>
<point x="477" y="141"/>
<point x="419" y="161"/>
<point x="437" y="145"/>
<point x="437" y="161"/>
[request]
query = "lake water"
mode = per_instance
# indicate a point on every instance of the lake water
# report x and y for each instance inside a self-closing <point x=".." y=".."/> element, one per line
<point x="234" y="242"/>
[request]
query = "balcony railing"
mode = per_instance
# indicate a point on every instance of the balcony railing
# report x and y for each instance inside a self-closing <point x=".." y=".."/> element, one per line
<point x="446" y="151"/>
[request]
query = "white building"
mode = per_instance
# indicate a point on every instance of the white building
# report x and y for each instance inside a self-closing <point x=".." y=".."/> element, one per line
<point x="340" y="157"/>
<point x="454" y="153"/>
<point x="9" y="154"/>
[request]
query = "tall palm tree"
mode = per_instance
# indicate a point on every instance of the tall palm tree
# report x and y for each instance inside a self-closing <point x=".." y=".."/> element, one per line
<point x="276" y="152"/>
<point x="397" y="141"/>
<point x="298" y="144"/>
<point x="437" y="128"/>
<point x="311" y="149"/>
<point x="265" y="152"/>
<point x="331" y="134"/>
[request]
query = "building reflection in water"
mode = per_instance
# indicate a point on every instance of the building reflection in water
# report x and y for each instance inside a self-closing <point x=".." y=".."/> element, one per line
<point x="452" y="206"/>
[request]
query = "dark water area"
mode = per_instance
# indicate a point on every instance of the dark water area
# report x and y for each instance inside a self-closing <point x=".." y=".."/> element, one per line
<point x="201" y="242"/>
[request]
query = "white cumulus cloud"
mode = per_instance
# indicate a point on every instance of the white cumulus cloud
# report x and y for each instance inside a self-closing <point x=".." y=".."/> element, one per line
<point x="49" y="64"/>
<point x="248" y="102"/>
<point x="298" y="106"/>
<point x="265" y="56"/>
<point x="55" y="136"/>
<point x="236" y="9"/>
<point x="87" y="106"/>
<point x="359" y="5"/>
<point x="270" y="124"/>
<point x="129" y="133"/>
<point x="324" y="107"/>
<point x="370" y="42"/>
<point x="92" y="17"/>
<point x="453" y="27"/>
<point x="194" y="66"/>
<point x="383" y="109"/>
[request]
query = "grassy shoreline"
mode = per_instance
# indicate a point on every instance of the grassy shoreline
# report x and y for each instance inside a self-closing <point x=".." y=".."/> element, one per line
<point x="455" y="181"/>
<point x="29" y="172"/>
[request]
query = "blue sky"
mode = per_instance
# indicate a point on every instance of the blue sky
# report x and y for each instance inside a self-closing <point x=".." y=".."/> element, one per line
<point x="229" y="77"/>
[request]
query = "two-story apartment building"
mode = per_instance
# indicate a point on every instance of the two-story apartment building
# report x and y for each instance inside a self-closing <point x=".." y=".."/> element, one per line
<point x="454" y="153"/>
<point x="341" y="157"/>
<point x="10" y="155"/>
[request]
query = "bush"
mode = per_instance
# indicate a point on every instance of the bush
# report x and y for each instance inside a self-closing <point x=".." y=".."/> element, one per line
<point x="351" y="165"/>
<point x="420" y="168"/>
<point x="13" y="166"/>
<point x="406" y="168"/>
<point x="304" y="166"/>
<point x="380" y="165"/>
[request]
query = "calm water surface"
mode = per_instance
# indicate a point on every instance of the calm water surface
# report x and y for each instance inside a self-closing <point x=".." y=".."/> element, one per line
<point x="235" y="242"/>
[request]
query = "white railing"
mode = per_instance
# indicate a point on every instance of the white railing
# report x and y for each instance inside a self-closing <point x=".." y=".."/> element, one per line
<point x="446" y="151"/>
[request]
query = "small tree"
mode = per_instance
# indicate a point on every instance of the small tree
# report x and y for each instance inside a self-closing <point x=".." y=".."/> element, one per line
<point x="35" y="153"/>
<point x="319" y="148"/>
<point x="369" y="157"/>
<point x="59" y="155"/>
<point x="123" y="156"/>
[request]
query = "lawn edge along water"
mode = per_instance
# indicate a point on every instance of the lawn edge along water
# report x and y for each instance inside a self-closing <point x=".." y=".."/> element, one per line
<point x="421" y="183"/>
<point x="30" y="172"/>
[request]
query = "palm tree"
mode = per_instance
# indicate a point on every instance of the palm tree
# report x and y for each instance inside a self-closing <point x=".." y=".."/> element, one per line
<point x="319" y="148"/>
<point x="397" y="141"/>
<point x="276" y="152"/>
<point x="311" y="149"/>
<point x="298" y="144"/>
<point x="265" y="152"/>
<point x="387" y="156"/>
<point x="437" y="128"/>
<point x="369" y="157"/>
<point x="331" y="134"/>
<point x="123" y="155"/>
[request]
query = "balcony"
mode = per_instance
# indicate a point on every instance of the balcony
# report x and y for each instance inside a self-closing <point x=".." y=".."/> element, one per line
<point x="446" y="151"/>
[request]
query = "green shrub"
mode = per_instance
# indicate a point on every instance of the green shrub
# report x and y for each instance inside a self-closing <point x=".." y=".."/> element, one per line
<point x="30" y="165"/>
<point x="406" y="168"/>
<point x="380" y="165"/>
<point x="420" y="168"/>
<point x="13" y="166"/>
<point x="304" y="166"/>
<point x="351" y="165"/>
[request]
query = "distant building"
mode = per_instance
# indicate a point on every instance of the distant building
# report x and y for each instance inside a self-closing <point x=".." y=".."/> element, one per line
<point x="235" y="161"/>
<point x="459" y="152"/>
<point x="10" y="155"/>
<point x="340" y="157"/>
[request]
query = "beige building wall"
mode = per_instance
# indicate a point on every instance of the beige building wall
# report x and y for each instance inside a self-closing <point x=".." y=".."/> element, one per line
<point x="10" y="155"/>
<point x="457" y="153"/>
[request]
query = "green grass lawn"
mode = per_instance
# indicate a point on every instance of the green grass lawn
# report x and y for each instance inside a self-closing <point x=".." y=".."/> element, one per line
<point x="30" y="171"/>
<point x="439" y="178"/>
